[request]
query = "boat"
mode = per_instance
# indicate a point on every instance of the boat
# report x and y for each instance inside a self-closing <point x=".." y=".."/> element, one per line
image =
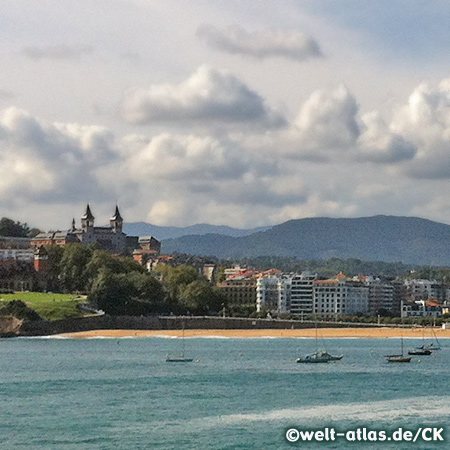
<point x="319" y="356"/>
<point x="178" y="358"/>
<point x="399" y="358"/>
<point x="420" y="352"/>
<point x="313" y="358"/>
<point x="181" y="358"/>
<point x="433" y="346"/>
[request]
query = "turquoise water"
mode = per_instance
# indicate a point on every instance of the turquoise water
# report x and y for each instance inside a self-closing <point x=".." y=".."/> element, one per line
<point x="239" y="394"/>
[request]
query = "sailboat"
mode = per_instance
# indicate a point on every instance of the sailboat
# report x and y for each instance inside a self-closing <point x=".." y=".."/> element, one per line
<point x="181" y="357"/>
<point x="432" y="346"/>
<point x="399" y="358"/>
<point x="319" y="356"/>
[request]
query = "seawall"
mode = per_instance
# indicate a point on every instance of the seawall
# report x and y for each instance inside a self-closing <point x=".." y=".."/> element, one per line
<point x="105" y="322"/>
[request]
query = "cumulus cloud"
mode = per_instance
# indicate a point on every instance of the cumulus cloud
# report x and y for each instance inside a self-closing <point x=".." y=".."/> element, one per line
<point x="328" y="119"/>
<point x="331" y="160"/>
<point x="206" y="96"/>
<point x="57" y="52"/>
<point x="50" y="162"/>
<point x="260" y="44"/>
<point x="188" y="159"/>
<point x="379" y="144"/>
<point x="425" y="120"/>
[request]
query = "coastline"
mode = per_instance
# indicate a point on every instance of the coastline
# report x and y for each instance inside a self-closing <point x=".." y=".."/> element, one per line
<point x="368" y="333"/>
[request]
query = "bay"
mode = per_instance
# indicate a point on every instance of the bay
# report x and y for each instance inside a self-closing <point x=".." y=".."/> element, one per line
<point x="237" y="394"/>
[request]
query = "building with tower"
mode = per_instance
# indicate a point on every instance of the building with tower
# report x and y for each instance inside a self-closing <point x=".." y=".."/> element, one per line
<point x="110" y="238"/>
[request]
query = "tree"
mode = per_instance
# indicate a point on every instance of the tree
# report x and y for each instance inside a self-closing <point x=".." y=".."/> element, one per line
<point x="182" y="275"/>
<point x="150" y="291"/>
<point x="72" y="267"/>
<point x="103" y="260"/>
<point x="199" y="297"/>
<point x="9" y="228"/>
<point x="113" y="293"/>
<point x="175" y="278"/>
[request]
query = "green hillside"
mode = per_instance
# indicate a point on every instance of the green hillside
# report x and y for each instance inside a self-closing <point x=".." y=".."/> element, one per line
<point x="380" y="238"/>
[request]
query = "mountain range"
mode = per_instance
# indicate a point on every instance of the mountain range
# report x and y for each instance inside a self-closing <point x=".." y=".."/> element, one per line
<point x="409" y="240"/>
<point x="160" y="233"/>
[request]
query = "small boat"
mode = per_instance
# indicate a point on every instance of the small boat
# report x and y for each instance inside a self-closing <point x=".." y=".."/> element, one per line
<point x="430" y="347"/>
<point x="314" y="358"/>
<point x="181" y="357"/>
<point x="319" y="356"/>
<point x="178" y="358"/>
<point x="325" y="354"/>
<point x="399" y="358"/>
<point x="420" y="352"/>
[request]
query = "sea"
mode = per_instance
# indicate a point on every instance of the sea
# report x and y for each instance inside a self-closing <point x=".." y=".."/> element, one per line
<point x="110" y="393"/>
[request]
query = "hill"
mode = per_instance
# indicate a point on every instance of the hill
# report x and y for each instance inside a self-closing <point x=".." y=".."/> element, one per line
<point x="147" y="229"/>
<point x="380" y="238"/>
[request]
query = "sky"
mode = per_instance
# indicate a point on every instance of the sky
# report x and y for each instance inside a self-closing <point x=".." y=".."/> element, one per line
<point x="223" y="111"/>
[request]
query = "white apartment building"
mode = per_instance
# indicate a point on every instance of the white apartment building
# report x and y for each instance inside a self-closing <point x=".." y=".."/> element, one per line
<point x="302" y="293"/>
<point x="267" y="293"/>
<point x="340" y="297"/>
<point x="273" y="293"/>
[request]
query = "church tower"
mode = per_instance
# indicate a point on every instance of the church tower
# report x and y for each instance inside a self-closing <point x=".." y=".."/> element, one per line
<point x="116" y="221"/>
<point x="87" y="220"/>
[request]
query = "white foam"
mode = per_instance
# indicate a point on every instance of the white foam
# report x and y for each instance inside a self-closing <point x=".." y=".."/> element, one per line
<point x="385" y="410"/>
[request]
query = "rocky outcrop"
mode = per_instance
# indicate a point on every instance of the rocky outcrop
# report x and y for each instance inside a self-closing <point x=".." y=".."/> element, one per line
<point x="10" y="326"/>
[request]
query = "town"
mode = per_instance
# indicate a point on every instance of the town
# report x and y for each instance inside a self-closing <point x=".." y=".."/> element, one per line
<point x="239" y="290"/>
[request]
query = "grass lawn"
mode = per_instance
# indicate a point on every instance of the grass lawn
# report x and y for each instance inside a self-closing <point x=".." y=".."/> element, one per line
<point x="48" y="306"/>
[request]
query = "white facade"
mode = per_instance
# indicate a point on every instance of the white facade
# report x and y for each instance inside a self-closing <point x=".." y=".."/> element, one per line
<point x="302" y="293"/>
<point x="272" y="293"/>
<point x="340" y="297"/>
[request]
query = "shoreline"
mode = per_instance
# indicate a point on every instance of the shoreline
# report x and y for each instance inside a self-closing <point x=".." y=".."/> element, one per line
<point x="361" y="333"/>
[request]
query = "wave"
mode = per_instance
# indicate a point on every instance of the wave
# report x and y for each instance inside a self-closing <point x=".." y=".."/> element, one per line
<point x="376" y="411"/>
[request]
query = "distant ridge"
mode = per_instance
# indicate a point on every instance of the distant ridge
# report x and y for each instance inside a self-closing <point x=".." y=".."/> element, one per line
<point x="409" y="240"/>
<point x="145" y="229"/>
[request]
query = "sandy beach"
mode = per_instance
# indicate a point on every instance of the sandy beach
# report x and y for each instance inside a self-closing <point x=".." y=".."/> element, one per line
<point x="377" y="333"/>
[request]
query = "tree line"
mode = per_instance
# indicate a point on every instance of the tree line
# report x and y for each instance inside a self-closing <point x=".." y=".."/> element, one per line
<point x="120" y="286"/>
<point x="9" y="228"/>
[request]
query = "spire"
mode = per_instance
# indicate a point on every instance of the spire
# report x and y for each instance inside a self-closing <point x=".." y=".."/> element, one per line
<point x="87" y="219"/>
<point x="73" y="225"/>
<point x="116" y="221"/>
<point x="117" y="215"/>
<point x="88" y="214"/>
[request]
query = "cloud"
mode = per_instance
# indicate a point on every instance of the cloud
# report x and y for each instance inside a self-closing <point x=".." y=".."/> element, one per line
<point x="425" y="120"/>
<point x="49" y="162"/>
<point x="57" y="52"/>
<point x="330" y="160"/>
<point x="207" y="96"/>
<point x="235" y="40"/>
<point x="380" y="144"/>
<point x="188" y="159"/>
<point x="328" y="119"/>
